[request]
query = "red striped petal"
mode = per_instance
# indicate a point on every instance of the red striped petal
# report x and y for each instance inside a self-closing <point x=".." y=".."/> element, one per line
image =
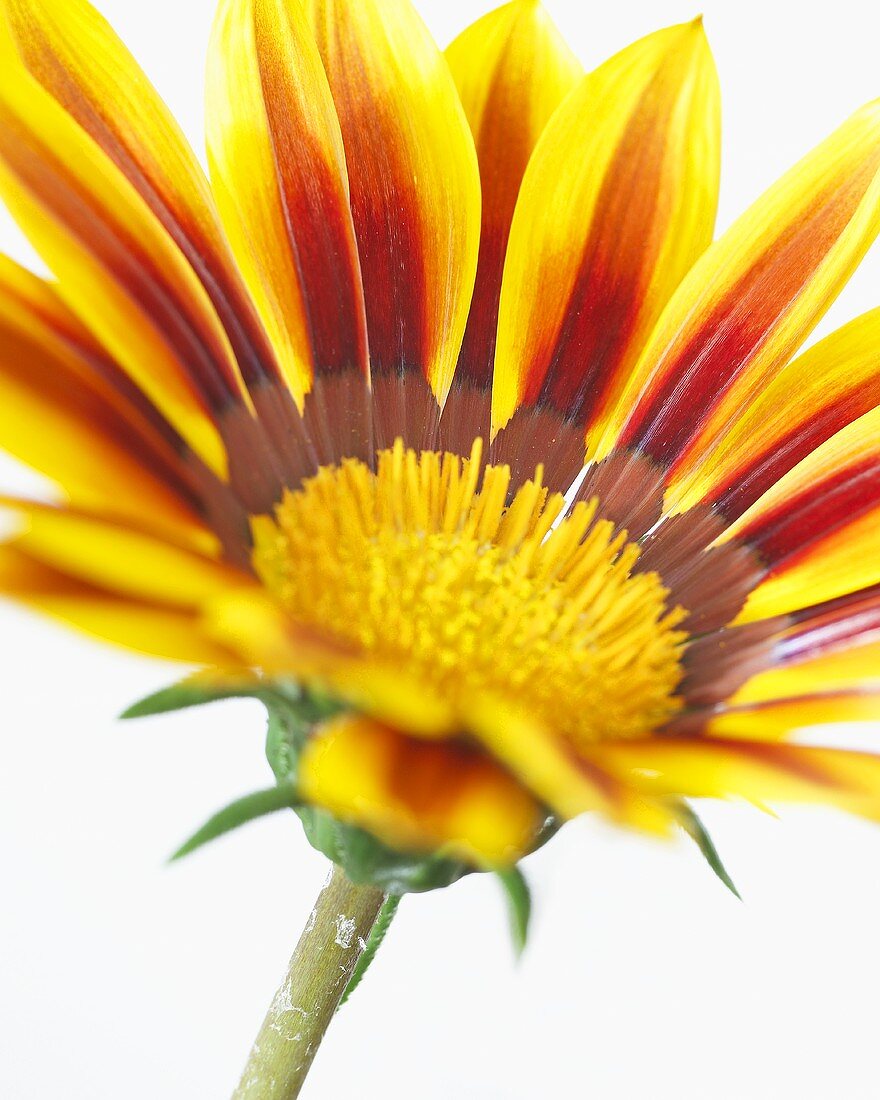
<point x="751" y="440"/>
<point x="70" y="412"/>
<point x="512" y="69"/>
<point x="279" y="172"/>
<point x="125" y="266"/>
<point x="415" y="200"/>
<point x="77" y="57"/>
<point x="616" y="204"/>
<point x="818" y="528"/>
<point x="755" y="296"/>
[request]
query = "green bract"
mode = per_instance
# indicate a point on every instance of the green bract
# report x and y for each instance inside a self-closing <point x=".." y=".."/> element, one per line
<point x="292" y="712"/>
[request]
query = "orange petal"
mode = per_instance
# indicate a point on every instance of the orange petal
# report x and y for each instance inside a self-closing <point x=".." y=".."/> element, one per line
<point x="512" y="69"/>
<point x="754" y="443"/>
<point x="278" y="167"/>
<point x="415" y="189"/>
<point x="753" y="298"/>
<point x="415" y="795"/>
<point x="616" y="204"/>
<point x="754" y="770"/>
<point x="160" y="631"/>
<point x="818" y="528"/>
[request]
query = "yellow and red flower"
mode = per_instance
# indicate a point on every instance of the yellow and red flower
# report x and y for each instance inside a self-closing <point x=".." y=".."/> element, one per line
<point x="440" y="399"/>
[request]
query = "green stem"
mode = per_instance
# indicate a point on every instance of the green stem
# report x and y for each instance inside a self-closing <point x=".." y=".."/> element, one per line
<point x="319" y="972"/>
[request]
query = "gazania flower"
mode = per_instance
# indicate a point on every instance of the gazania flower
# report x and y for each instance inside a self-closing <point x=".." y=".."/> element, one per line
<point x="440" y="404"/>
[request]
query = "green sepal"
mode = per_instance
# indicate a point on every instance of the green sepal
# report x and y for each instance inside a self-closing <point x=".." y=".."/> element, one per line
<point x="292" y="713"/>
<point x="519" y="905"/>
<point x="364" y="858"/>
<point x="367" y="861"/>
<point x="697" y="831"/>
<point x="194" y="691"/>
<point x="237" y="813"/>
<point x="374" y="942"/>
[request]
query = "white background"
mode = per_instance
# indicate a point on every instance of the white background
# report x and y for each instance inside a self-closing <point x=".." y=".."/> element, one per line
<point x="121" y="977"/>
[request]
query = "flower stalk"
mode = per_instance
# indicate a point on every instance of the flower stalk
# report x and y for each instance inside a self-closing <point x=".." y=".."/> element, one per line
<point x="319" y="972"/>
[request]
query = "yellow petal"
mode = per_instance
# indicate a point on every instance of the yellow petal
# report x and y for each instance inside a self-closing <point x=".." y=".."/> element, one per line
<point x="120" y="558"/>
<point x="616" y="204"/>
<point x="554" y="771"/>
<point x="415" y="795"/>
<point x="415" y="189"/>
<point x="754" y="297"/>
<point x="714" y="768"/>
<point x="512" y="69"/>
<point x="170" y="633"/>
<point x="778" y="718"/>
<point x="278" y="169"/>
<point x="841" y="670"/>
<point x="260" y="631"/>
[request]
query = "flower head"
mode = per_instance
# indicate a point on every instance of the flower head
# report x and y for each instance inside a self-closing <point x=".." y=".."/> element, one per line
<point x="440" y="403"/>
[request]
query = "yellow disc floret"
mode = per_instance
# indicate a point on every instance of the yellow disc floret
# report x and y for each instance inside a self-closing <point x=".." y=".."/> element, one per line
<point x="429" y="563"/>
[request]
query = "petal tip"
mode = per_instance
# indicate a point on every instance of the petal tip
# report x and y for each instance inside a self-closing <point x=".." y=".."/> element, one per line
<point x="871" y="110"/>
<point x="695" y="30"/>
<point x="692" y="35"/>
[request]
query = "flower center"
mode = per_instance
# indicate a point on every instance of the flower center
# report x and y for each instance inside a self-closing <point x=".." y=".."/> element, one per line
<point x="426" y="563"/>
